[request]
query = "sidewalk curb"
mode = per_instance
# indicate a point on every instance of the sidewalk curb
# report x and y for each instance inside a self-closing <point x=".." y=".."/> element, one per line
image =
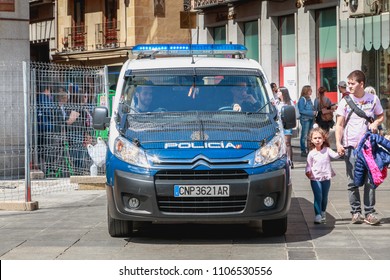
<point x="89" y="182"/>
<point x="19" y="205"/>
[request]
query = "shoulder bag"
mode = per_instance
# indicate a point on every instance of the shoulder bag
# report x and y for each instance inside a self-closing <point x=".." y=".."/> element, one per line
<point x="325" y="117"/>
<point x="355" y="109"/>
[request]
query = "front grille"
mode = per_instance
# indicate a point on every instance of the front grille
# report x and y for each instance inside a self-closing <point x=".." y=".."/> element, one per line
<point x="201" y="205"/>
<point x="201" y="175"/>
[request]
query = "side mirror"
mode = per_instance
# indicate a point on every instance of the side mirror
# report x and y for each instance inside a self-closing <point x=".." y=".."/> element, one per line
<point x="288" y="117"/>
<point x="100" y="118"/>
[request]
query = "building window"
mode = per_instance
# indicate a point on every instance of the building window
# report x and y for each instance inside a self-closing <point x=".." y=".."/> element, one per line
<point x="79" y="12"/>
<point x="251" y="39"/>
<point x="159" y="8"/>
<point x="110" y="30"/>
<point x="111" y="10"/>
<point x="219" y="35"/>
<point x="41" y="12"/>
<point x="326" y="33"/>
<point x="78" y="29"/>
<point x="287" y="65"/>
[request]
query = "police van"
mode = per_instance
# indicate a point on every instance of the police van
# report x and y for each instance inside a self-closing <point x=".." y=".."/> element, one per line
<point x="195" y="137"/>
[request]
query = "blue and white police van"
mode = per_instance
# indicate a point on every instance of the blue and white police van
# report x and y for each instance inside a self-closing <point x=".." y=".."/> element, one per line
<point x="194" y="137"/>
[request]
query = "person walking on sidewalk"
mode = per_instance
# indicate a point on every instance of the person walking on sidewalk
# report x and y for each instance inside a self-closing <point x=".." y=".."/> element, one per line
<point x="307" y="112"/>
<point x="319" y="171"/>
<point x="350" y="128"/>
<point x="325" y="110"/>
<point x="274" y="88"/>
<point x="343" y="89"/>
<point x="284" y="96"/>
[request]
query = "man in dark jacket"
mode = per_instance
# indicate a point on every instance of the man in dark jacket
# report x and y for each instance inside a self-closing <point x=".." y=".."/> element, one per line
<point x="45" y="125"/>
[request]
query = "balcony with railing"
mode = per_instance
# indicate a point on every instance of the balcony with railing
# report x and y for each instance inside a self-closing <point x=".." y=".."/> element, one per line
<point x="107" y="34"/>
<point x="75" y="38"/>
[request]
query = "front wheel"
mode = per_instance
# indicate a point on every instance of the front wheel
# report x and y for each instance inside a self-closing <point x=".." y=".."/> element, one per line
<point x="275" y="227"/>
<point x="119" y="228"/>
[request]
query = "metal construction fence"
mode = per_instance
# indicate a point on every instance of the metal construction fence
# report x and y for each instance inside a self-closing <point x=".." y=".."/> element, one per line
<point x="46" y="126"/>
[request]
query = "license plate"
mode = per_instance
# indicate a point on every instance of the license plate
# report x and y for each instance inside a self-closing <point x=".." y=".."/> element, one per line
<point x="201" y="190"/>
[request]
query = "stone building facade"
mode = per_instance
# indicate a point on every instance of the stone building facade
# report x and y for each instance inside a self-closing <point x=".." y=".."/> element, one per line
<point x="103" y="31"/>
<point x="305" y="42"/>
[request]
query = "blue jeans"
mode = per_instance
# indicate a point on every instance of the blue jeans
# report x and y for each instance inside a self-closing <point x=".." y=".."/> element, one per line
<point x="320" y="191"/>
<point x="306" y="127"/>
<point x="354" y="191"/>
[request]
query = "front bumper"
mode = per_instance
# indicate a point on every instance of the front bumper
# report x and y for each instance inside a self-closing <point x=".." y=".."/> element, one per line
<point x="157" y="202"/>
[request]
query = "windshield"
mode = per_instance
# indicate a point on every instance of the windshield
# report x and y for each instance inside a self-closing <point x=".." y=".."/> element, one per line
<point x="180" y="93"/>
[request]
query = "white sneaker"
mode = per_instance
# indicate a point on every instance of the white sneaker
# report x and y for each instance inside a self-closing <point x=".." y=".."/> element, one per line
<point x="317" y="219"/>
<point x="323" y="217"/>
<point x="357" y="218"/>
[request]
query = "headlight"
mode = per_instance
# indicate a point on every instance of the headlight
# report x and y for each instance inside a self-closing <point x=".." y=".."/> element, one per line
<point x="273" y="150"/>
<point x="130" y="153"/>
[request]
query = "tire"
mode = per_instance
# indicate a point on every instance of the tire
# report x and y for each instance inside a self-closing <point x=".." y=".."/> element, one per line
<point x="119" y="228"/>
<point x="275" y="227"/>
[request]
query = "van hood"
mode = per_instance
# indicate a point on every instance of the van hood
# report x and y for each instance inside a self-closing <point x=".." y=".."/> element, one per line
<point x="199" y="132"/>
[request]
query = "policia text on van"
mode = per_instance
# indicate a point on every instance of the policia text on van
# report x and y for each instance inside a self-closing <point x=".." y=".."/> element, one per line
<point x="194" y="137"/>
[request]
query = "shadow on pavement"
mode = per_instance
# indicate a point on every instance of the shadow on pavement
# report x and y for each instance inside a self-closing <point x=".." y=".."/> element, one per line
<point x="300" y="227"/>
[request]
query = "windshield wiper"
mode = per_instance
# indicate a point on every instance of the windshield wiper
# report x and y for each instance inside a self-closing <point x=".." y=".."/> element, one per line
<point x="262" y="107"/>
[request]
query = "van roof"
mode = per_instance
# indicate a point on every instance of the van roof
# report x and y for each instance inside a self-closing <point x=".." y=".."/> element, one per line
<point x="191" y="62"/>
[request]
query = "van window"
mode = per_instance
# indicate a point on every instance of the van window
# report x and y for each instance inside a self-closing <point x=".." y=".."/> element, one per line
<point x="172" y="93"/>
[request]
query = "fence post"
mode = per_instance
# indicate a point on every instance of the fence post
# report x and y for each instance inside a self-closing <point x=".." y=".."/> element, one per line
<point x="27" y="180"/>
<point x="107" y="88"/>
<point x="33" y="97"/>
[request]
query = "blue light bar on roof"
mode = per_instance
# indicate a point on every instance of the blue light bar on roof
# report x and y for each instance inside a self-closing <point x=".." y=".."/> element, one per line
<point x="189" y="49"/>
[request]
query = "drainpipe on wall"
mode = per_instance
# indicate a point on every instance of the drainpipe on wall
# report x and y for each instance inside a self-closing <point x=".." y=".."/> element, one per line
<point x="127" y="2"/>
<point x="56" y="45"/>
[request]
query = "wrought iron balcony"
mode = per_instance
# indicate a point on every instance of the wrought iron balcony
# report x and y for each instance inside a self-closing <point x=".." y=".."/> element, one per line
<point x="107" y="34"/>
<point x="75" y="38"/>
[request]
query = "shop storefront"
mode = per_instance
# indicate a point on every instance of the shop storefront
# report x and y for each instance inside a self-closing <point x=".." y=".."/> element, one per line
<point x="370" y="37"/>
